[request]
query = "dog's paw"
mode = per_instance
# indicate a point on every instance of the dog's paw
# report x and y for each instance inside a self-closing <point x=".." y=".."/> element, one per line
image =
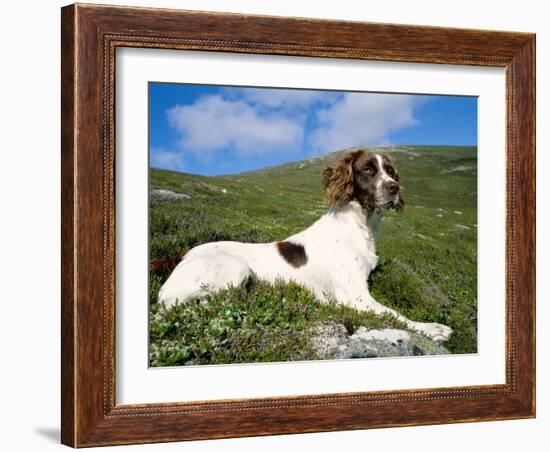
<point x="436" y="331"/>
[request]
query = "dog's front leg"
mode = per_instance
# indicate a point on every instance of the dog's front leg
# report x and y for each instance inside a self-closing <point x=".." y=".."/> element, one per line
<point x="365" y="302"/>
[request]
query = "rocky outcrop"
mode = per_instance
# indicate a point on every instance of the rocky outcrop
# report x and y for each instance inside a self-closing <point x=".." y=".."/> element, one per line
<point x="160" y="194"/>
<point x="332" y="341"/>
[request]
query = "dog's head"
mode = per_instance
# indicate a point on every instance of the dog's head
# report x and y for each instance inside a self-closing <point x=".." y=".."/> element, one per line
<point x="370" y="179"/>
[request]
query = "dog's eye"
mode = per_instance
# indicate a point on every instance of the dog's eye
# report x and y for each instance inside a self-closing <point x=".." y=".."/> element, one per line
<point x="369" y="170"/>
<point x="390" y="171"/>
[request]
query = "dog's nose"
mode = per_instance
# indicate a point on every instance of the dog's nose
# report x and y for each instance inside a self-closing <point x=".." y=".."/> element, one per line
<point x="392" y="187"/>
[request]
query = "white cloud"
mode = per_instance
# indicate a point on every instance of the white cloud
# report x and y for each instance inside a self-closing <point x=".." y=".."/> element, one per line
<point x="170" y="160"/>
<point x="258" y="121"/>
<point x="213" y="123"/>
<point x="287" y="99"/>
<point x="361" y="118"/>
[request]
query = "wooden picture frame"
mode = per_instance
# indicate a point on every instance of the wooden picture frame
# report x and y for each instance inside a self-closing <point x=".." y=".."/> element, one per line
<point x="90" y="36"/>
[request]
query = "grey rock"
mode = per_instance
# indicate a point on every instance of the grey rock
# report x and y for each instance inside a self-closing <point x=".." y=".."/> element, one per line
<point x="332" y="341"/>
<point x="160" y="194"/>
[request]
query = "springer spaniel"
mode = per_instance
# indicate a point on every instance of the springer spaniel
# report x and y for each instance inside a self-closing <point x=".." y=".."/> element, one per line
<point x="333" y="257"/>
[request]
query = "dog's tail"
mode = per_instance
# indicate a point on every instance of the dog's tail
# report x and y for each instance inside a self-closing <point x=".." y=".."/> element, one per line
<point x="165" y="266"/>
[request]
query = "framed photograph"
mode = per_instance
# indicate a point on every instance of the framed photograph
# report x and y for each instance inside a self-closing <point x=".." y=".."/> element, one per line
<point x="282" y="225"/>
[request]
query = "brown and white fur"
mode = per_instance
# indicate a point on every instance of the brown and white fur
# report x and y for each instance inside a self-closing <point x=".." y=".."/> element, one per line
<point x="333" y="257"/>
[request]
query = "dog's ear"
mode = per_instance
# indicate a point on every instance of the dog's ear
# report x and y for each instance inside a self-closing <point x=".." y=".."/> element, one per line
<point x="338" y="180"/>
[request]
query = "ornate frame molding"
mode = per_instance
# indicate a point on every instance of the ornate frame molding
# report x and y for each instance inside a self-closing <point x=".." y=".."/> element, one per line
<point x="90" y="36"/>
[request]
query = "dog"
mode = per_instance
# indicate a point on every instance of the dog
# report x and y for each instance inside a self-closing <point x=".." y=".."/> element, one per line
<point x="333" y="257"/>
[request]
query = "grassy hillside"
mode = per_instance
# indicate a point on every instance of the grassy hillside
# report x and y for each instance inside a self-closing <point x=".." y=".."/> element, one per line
<point x="427" y="268"/>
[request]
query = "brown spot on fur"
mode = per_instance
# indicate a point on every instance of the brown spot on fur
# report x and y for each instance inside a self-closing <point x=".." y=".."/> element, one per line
<point x="389" y="167"/>
<point x="167" y="265"/>
<point x="293" y="253"/>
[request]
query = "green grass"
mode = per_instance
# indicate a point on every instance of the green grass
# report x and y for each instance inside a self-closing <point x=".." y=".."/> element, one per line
<point x="427" y="268"/>
<point x="256" y="322"/>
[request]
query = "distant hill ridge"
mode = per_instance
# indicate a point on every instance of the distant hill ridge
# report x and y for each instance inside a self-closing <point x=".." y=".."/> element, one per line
<point x="328" y="157"/>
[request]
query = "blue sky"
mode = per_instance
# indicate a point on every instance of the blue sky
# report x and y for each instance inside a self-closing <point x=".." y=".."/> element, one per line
<point x="214" y="130"/>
